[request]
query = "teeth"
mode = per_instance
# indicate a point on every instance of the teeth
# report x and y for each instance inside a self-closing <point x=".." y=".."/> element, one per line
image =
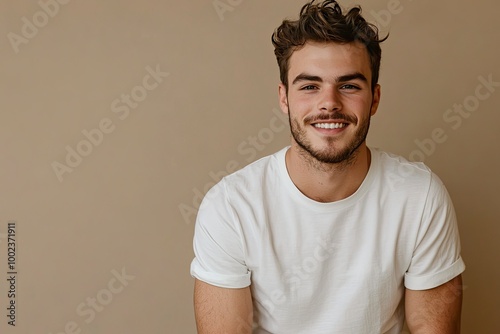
<point x="329" y="125"/>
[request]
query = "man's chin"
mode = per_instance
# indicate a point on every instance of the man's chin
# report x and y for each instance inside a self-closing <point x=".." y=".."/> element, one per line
<point x="321" y="153"/>
<point x="329" y="154"/>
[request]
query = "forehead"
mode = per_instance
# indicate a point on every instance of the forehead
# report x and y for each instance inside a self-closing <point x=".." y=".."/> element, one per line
<point x="330" y="60"/>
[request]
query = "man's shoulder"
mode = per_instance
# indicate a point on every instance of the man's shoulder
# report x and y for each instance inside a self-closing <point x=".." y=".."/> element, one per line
<point x="253" y="177"/>
<point x="394" y="162"/>
<point x="256" y="170"/>
<point x="400" y="171"/>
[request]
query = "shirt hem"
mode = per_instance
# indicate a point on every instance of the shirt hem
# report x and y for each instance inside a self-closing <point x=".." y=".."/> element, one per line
<point x="426" y="282"/>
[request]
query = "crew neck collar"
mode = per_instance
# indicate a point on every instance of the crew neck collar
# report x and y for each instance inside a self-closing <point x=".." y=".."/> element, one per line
<point x="330" y="206"/>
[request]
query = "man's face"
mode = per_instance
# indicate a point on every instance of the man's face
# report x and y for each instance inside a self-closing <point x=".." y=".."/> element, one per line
<point x="329" y="99"/>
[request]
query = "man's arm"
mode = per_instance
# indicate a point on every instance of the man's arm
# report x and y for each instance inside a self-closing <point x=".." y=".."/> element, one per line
<point x="435" y="311"/>
<point x="221" y="310"/>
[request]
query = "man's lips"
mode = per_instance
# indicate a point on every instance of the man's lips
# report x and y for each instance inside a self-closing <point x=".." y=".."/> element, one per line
<point x="329" y="125"/>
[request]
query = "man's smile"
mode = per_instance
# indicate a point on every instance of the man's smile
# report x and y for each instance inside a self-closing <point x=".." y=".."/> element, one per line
<point x="330" y="125"/>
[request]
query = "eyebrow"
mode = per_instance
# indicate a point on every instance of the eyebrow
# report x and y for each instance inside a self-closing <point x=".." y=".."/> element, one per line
<point x="342" y="78"/>
<point x="306" y="77"/>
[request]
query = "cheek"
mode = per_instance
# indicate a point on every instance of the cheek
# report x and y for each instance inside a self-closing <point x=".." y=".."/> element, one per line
<point x="361" y="104"/>
<point x="301" y="103"/>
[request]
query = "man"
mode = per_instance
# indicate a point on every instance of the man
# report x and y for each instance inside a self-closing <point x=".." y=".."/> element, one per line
<point x="328" y="235"/>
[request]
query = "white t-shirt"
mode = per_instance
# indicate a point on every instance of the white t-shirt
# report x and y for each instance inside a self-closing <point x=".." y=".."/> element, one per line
<point x="337" y="267"/>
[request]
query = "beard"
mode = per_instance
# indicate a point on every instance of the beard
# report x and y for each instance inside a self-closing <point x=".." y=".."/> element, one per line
<point x="334" y="153"/>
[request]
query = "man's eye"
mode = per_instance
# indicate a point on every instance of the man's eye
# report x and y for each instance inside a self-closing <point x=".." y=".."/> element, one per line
<point x="349" y="87"/>
<point x="310" y="87"/>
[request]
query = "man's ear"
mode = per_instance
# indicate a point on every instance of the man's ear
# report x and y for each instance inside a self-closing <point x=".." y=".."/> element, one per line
<point x="283" y="98"/>
<point x="376" y="100"/>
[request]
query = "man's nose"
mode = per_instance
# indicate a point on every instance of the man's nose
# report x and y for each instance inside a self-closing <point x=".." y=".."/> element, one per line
<point x="330" y="100"/>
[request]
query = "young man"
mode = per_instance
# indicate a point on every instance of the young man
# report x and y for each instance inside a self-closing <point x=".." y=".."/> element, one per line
<point x="328" y="235"/>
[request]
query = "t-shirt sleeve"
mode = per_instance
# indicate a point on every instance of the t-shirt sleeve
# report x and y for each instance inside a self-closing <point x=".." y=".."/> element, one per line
<point x="436" y="257"/>
<point x="218" y="248"/>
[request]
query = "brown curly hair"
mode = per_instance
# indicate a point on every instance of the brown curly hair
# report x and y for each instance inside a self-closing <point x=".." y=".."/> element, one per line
<point x="324" y="22"/>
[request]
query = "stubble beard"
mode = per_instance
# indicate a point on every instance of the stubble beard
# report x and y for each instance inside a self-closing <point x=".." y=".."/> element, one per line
<point x="333" y="155"/>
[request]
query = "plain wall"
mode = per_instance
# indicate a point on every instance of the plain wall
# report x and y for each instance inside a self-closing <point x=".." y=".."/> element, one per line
<point x="129" y="204"/>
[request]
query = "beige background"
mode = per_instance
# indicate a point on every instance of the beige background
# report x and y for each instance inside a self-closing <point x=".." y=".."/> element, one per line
<point x="121" y="206"/>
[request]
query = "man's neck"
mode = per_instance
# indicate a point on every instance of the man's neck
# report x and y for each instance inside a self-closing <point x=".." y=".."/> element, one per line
<point x="325" y="182"/>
